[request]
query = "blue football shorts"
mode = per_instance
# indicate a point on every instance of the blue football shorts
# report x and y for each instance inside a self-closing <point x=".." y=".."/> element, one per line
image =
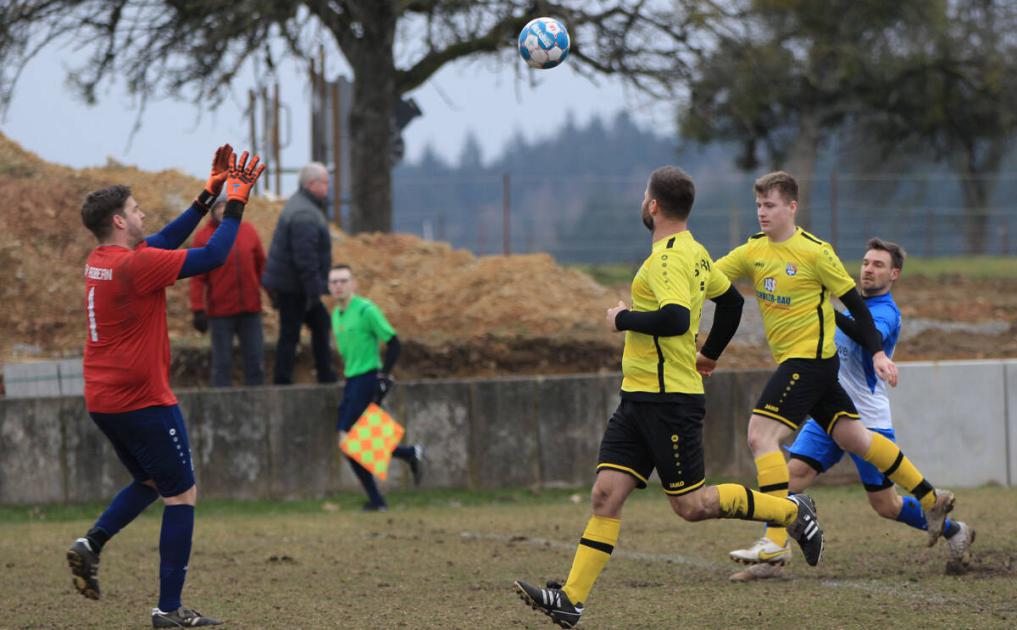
<point x="815" y="447"/>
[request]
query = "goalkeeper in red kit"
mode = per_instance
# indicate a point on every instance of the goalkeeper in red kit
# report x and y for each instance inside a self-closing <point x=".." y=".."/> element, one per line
<point x="126" y="369"/>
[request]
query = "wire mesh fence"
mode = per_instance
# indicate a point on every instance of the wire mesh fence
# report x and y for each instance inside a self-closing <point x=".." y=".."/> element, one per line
<point x="595" y="219"/>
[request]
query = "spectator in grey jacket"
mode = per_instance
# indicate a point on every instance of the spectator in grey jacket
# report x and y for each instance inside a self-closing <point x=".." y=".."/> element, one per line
<point x="296" y="275"/>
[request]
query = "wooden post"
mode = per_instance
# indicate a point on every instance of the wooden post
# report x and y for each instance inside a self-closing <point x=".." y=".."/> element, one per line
<point x="337" y="157"/>
<point x="266" y="128"/>
<point x="252" y="104"/>
<point x="276" y="151"/>
<point x="734" y="233"/>
<point x="833" y="209"/>
<point x="506" y="211"/>
<point x="315" y="91"/>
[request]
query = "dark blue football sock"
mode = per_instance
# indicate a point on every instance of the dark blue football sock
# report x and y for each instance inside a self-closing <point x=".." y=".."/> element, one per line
<point x="174" y="553"/>
<point x="126" y="506"/>
<point x="911" y="513"/>
<point x="404" y="452"/>
<point x="950" y="527"/>
<point x="367" y="481"/>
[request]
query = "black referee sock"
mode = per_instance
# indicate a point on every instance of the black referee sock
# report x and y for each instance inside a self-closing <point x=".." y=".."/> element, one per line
<point x="97" y="538"/>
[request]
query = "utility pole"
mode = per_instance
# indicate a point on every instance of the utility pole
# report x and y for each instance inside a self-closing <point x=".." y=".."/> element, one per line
<point x="506" y="214"/>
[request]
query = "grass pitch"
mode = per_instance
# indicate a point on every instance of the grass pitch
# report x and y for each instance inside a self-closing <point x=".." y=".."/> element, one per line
<point x="447" y="560"/>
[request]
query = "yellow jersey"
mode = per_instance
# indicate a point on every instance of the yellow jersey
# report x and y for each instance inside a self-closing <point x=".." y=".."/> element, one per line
<point x="793" y="281"/>
<point x="678" y="271"/>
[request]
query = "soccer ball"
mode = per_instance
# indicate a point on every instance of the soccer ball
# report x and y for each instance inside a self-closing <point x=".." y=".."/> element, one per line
<point x="544" y="43"/>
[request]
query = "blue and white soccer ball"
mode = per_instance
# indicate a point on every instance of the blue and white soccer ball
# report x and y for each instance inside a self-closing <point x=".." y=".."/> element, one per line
<point x="544" y="43"/>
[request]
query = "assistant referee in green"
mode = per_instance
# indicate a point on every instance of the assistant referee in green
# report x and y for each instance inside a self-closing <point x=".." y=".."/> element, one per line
<point x="360" y="328"/>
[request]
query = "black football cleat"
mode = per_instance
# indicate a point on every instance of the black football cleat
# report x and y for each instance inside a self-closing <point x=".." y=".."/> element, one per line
<point x="84" y="565"/>
<point x="551" y="601"/>
<point x="806" y="530"/>
<point x="181" y="618"/>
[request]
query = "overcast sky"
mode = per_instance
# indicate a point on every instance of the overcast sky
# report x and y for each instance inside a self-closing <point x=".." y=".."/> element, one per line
<point x="485" y="97"/>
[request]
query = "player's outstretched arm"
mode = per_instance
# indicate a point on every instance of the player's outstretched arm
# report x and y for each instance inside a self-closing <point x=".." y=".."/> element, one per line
<point x="869" y="336"/>
<point x="176" y="231"/>
<point x="239" y="182"/>
<point x="726" y="318"/>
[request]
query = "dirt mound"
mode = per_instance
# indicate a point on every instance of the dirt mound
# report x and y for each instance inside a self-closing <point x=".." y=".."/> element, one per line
<point x="435" y="296"/>
<point x="43" y="245"/>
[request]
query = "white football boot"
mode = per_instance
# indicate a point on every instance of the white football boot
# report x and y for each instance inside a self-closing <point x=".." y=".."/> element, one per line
<point x="960" y="548"/>
<point x="763" y="551"/>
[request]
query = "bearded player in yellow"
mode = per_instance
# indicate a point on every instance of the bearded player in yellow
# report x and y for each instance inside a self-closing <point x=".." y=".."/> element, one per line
<point x="659" y="423"/>
<point x="794" y="274"/>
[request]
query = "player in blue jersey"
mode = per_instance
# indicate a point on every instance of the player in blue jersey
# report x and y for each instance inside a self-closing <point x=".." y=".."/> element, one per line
<point x="814" y="451"/>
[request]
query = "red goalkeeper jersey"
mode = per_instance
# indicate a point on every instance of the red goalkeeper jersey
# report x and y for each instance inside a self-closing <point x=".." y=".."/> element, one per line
<point x="127" y="354"/>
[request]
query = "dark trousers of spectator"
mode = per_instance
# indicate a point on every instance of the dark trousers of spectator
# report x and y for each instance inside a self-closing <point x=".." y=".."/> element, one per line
<point x="293" y="314"/>
<point x="246" y="326"/>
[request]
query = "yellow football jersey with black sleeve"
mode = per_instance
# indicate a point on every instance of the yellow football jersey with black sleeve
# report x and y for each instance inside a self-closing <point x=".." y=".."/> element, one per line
<point x="793" y="281"/>
<point x="678" y="271"/>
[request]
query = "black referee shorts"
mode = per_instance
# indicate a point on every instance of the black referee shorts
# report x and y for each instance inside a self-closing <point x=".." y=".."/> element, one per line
<point x="667" y="436"/>
<point x="806" y="387"/>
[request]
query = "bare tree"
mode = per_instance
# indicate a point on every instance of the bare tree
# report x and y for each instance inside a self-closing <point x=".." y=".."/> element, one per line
<point x="788" y="75"/>
<point x="197" y="47"/>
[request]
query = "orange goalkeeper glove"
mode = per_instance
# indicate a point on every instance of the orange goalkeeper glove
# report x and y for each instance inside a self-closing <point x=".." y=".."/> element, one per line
<point x="220" y="169"/>
<point x="241" y="177"/>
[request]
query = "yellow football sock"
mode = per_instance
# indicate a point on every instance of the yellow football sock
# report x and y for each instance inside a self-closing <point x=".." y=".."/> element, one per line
<point x="747" y="504"/>
<point x="888" y="458"/>
<point x="592" y="554"/>
<point x="773" y="477"/>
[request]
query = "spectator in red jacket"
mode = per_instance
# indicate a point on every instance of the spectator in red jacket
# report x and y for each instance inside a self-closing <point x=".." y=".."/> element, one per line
<point x="228" y="300"/>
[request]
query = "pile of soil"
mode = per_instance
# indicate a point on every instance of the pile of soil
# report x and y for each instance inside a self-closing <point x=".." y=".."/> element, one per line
<point x="458" y="314"/>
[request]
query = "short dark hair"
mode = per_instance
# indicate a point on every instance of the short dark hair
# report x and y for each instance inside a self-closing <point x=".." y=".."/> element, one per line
<point x="897" y="253"/>
<point x="100" y="206"/>
<point x="339" y="266"/>
<point x="674" y="191"/>
<point x="780" y="181"/>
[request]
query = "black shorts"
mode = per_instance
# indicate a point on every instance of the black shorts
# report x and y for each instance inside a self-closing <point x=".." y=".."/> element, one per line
<point x="806" y="387"/>
<point x="667" y="436"/>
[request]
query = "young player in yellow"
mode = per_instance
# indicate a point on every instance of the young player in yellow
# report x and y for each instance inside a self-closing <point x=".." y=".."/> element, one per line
<point x="659" y="423"/>
<point x="793" y="275"/>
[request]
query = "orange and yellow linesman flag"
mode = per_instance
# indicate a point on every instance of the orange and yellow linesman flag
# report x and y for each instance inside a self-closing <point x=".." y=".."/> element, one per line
<point x="371" y="440"/>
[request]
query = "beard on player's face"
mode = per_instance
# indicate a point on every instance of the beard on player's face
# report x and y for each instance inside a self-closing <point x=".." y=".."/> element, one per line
<point x="869" y="288"/>
<point x="136" y="233"/>
<point x="874" y="284"/>
<point x="135" y="227"/>
<point x="647" y="217"/>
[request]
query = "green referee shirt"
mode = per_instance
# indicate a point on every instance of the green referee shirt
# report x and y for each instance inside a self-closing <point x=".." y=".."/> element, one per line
<point x="358" y="332"/>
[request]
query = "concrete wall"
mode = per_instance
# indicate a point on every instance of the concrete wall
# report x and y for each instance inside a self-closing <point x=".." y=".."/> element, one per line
<point x="279" y="442"/>
<point x="951" y="420"/>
